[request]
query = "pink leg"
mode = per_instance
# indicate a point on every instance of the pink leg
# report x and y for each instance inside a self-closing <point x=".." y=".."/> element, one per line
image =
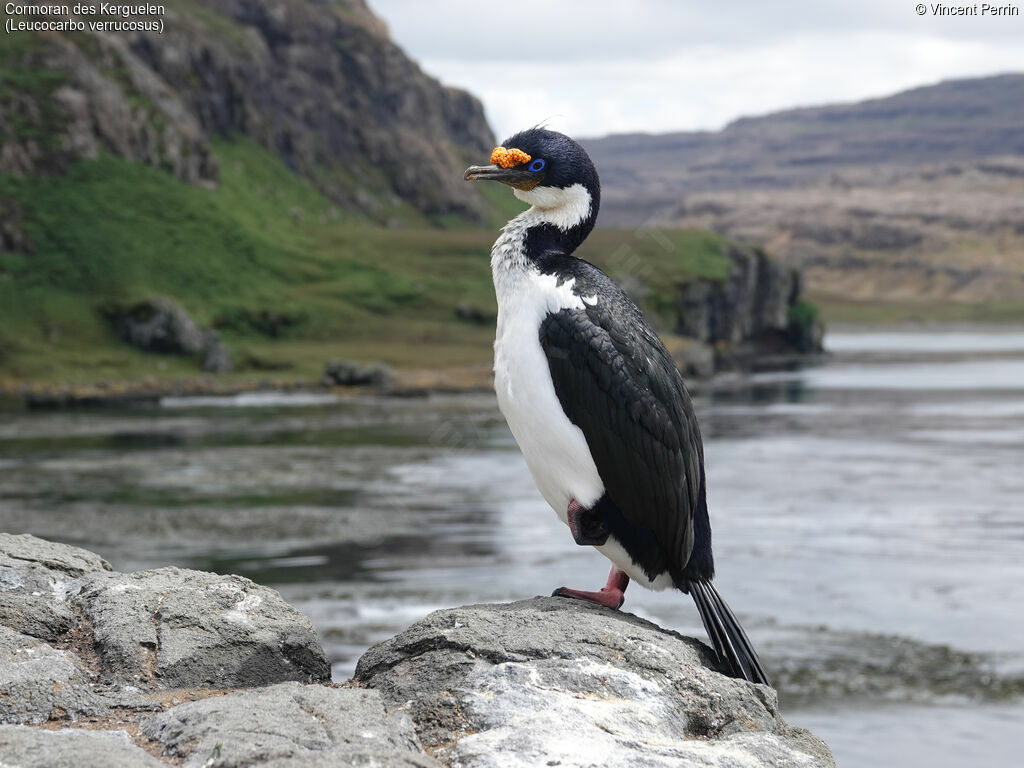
<point x="611" y="595"/>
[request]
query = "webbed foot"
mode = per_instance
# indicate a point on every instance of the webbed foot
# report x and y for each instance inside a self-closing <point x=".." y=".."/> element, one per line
<point x="612" y="595"/>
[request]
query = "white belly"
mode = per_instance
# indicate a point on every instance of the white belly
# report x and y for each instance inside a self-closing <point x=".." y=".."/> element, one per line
<point x="555" y="449"/>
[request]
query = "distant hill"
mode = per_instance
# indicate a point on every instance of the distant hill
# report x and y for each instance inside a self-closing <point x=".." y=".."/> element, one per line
<point x="918" y="196"/>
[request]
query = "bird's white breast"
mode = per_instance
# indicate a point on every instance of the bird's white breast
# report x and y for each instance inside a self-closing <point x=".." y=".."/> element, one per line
<point x="555" y="449"/>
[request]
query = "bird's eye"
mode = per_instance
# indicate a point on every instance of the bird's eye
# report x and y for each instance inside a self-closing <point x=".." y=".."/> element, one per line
<point x="536" y="165"/>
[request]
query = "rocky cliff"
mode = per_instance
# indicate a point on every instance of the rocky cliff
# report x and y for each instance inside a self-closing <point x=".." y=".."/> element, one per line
<point x="317" y="82"/>
<point x="175" y="667"/>
<point x="757" y="311"/>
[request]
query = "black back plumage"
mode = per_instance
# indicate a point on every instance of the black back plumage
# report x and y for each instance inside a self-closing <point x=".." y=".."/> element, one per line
<point x="616" y="381"/>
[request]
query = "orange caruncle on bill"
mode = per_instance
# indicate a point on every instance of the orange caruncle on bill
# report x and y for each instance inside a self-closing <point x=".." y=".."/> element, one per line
<point x="508" y="158"/>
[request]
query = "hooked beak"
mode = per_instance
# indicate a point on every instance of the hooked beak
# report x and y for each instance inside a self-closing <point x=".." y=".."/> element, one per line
<point x="514" y="177"/>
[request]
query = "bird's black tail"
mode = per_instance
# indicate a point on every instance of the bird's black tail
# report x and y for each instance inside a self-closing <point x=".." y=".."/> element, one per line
<point x="734" y="650"/>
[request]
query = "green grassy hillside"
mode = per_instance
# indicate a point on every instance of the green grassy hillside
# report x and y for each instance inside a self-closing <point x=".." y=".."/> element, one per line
<point x="287" y="278"/>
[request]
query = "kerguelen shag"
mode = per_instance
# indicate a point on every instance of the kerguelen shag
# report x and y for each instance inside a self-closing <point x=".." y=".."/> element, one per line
<point x="594" y="399"/>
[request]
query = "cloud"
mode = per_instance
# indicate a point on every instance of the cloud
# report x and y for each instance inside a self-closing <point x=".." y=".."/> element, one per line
<point x="601" y="67"/>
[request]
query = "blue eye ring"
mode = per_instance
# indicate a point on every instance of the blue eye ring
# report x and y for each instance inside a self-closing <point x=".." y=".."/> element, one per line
<point x="536" y="165"/>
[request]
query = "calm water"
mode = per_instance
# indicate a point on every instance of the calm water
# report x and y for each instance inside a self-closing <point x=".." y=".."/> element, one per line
<point x="868" y="516"/>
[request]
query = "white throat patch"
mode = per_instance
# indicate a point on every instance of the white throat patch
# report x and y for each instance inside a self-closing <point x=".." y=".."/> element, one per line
<point x="564" y="208"/>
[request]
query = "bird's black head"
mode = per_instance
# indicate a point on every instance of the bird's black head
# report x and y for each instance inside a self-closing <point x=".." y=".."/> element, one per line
<point x="548" y="170"/>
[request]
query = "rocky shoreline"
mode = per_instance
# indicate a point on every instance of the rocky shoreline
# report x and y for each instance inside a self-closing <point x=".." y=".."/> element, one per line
<point x="179" y="667"/>
<point x="406" y="383"/>
<point x="695" y="359"/>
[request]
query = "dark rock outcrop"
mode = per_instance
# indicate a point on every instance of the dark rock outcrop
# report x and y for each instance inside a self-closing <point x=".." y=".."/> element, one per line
<point x="130" y="670"/>
<point x="318" y="83"/>
<point x="157" y="325"/>
<point x="754" y="298"/>
<point x="345" y="373"/>
<point x="750" y="313"/>
<point x="163" y="326"/>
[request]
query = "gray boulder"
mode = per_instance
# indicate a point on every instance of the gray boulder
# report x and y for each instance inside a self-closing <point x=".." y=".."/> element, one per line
<point x="345" y="373"/>
<point x="163" y="326"/>
<point x="175" y="628"/>
<point x="39" y="682"/>
<point x="558" y="682"/>
<point x="61" y="558"/>
<point x="47" y="668"/>
<point x="288" y="726"/>
<point x="77" y="639"/>
<point x="35" y="577"/>
<point x="157" y="325"/>
<point x="23" y="747"/>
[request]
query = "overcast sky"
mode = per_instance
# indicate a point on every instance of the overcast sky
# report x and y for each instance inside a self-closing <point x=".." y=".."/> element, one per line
<point x="592" y="67"/>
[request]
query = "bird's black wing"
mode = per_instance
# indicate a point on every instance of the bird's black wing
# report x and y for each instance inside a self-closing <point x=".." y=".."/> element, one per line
<point x="617" y="382"/>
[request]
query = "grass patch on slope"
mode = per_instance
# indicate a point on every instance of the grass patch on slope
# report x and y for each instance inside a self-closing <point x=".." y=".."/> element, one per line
<point x="264" y="244"/>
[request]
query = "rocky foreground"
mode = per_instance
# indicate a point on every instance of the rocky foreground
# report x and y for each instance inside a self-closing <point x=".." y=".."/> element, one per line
<point x="178" y="667"/>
